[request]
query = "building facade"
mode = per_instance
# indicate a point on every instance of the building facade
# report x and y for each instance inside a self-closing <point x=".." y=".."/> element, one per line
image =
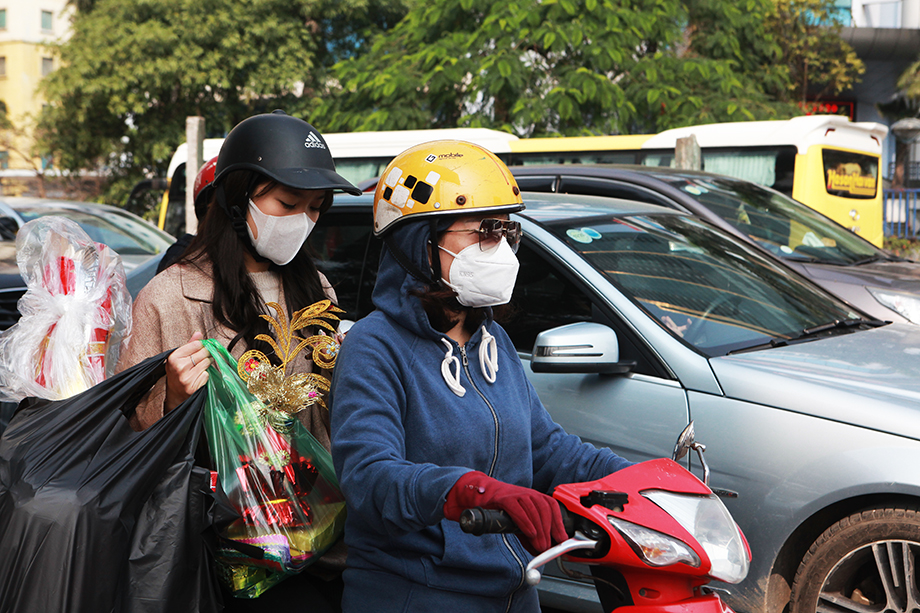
<point x="886" y="36"/>
<point x="26" y="29"/>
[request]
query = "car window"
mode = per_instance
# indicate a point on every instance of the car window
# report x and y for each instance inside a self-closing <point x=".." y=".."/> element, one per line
<point x="542" y="299"/>
<point x="542" y="183"/>
<point x="590" y="186"/>
<point x="342" y="243"/>
<point x="545" y="297"/>
<point x="346" y="251"/>
<point x="715" y="293"/>
<point x="785" y="227"/>
<point x="120" y="232"/>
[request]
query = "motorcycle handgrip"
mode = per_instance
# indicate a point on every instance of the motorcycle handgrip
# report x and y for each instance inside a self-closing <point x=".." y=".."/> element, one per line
<point x="478" y="521"/>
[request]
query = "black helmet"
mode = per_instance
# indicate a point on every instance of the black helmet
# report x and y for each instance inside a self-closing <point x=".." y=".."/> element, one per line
<point x="284" y="148"/>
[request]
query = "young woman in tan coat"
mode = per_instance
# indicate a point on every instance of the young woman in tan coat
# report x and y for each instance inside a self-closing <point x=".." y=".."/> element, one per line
<point x="274" y="178"/>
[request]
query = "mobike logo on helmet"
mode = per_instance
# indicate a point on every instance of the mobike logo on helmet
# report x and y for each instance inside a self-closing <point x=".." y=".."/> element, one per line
<point x="443" y="156"/>
<point x="313" y="141"/>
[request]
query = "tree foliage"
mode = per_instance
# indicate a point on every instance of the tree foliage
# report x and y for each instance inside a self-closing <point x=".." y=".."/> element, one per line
<point x="538" y="67"/>
<point x="133" y="70"/>
<point x="819" y="62"/>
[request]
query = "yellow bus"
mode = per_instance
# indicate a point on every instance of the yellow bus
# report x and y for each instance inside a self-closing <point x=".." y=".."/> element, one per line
<point x="825" y="161"/>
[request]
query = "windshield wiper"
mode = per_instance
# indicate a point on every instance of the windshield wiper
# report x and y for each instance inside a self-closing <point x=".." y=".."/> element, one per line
<point x="877" y="258"/>
<point x="838" y="324"/>
<point x="812" y="332"/>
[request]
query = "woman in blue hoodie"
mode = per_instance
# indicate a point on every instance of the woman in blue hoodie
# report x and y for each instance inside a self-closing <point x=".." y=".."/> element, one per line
<point x="431" y="410"/>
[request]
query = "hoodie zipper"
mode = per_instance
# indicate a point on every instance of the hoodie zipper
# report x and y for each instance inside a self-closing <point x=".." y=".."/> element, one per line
<point x="466" y="369"/>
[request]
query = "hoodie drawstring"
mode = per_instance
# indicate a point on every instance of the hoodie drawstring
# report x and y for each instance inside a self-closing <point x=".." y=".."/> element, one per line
<point x="488" y="356"/>
<point x="488" y="362"/>
<point x="452" y="379"/>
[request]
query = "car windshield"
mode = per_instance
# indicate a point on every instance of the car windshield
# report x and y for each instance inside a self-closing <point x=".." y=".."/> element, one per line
<point x="784" y="226"/>
<point x="704" y="286"/>
<point x="119" y="231"/>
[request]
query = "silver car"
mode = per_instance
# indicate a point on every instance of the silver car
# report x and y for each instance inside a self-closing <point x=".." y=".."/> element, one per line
<point x="634" y="319"/>
<point x="139" y="243"/>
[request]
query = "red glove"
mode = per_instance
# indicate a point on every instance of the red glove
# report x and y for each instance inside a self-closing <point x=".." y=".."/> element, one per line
<point x="536" y="515"/>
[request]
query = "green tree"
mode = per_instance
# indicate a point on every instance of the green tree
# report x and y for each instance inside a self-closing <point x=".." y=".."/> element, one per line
<point x="538" y="67"/>
<point x="819" y="62"/>
<point x="133" y="70"/>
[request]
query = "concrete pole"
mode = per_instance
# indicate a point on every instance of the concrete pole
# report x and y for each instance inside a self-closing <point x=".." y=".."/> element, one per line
<point x="687" y="154"/>
<point x="194" y="137"/>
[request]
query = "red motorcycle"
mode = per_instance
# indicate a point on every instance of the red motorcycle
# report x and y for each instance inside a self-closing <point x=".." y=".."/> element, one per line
<point x="653" y="535"/>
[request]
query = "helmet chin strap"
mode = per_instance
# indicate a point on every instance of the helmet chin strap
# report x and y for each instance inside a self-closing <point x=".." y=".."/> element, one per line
<point x="435" y="252"/>
<point x="237" y="221"/>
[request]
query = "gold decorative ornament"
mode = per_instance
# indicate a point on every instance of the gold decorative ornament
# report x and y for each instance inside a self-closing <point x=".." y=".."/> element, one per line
<point x="285" y="396"/>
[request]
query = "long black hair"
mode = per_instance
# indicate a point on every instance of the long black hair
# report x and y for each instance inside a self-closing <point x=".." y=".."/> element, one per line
<point x="236" y="301"/>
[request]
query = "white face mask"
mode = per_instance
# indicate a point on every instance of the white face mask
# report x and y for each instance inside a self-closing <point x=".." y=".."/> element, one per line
<point x="483" y="278"/>
<point x="280" y="237"/>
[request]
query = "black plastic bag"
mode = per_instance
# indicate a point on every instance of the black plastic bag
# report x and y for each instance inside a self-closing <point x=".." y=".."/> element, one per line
<point x="95" y="517"/>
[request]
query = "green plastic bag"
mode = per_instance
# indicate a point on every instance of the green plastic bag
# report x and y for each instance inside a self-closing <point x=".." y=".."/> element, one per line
<point x="277" y="476"/>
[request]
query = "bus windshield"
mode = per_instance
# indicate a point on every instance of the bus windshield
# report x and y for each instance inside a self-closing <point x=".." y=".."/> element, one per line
<point x="850" y="175"/>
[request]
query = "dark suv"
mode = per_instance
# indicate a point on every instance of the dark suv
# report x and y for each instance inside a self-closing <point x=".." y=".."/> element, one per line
<point x="843" y="263"/>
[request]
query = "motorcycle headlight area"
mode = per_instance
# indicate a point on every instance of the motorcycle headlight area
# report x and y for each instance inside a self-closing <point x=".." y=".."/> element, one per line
<point x="653" y="547"/>
<point x="710" y="523"/>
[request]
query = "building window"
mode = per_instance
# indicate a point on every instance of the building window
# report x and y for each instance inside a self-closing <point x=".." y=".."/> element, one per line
<point x="2" y="19"/>
<point x="47" y="22"/>
<point x="2" y="66"/>
<point x="4" y="160"/>
<point x="47" y="65"/>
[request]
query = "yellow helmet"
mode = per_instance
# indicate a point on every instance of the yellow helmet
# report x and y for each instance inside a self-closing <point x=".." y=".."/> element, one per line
<point x="443" y="177"/>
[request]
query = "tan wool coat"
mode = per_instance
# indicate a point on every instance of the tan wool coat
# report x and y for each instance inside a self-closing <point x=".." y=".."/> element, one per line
<point x="173" y="306"/>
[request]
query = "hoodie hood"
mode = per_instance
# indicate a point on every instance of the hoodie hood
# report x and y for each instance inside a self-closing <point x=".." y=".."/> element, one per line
<point x="393" y="290"/>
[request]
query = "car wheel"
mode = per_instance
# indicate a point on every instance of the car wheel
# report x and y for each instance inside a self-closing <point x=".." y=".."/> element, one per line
<point x="867" y="562"/>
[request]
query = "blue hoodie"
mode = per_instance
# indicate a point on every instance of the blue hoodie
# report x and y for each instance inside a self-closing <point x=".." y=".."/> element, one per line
<point x="401" y="439"/>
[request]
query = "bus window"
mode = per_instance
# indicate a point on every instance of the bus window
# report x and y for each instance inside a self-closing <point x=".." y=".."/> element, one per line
<point x="768" y="166"/>
<point x="658" y="159"/>
<point x="850" y="175"/>
<point x="175" y="213"/>
<point x="771" y="167"/>
<point x="575" y="157"/>
<point x="357" y="170"/>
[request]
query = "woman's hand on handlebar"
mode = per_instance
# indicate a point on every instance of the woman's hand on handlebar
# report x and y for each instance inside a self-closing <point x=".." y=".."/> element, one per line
<point x="536" y="515"/>
<point x="186" y="371"/>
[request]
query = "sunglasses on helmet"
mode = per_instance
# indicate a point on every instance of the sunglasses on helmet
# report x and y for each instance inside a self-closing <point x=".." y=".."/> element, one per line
<point x="491" y="232"/>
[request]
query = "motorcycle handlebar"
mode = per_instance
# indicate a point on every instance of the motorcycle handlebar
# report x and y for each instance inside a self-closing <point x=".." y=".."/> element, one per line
<point x="478" y="521"/>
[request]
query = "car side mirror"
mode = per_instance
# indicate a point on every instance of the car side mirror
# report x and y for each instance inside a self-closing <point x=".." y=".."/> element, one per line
<point x="582" y="347"/>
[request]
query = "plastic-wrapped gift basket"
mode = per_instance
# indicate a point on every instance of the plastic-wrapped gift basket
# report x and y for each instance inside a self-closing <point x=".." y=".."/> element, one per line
<point x="275" y="473"/>
<point x="76" y="313"/>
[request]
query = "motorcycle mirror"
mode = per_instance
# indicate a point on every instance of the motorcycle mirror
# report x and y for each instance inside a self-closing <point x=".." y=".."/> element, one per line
<point x="684" y="443"/>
